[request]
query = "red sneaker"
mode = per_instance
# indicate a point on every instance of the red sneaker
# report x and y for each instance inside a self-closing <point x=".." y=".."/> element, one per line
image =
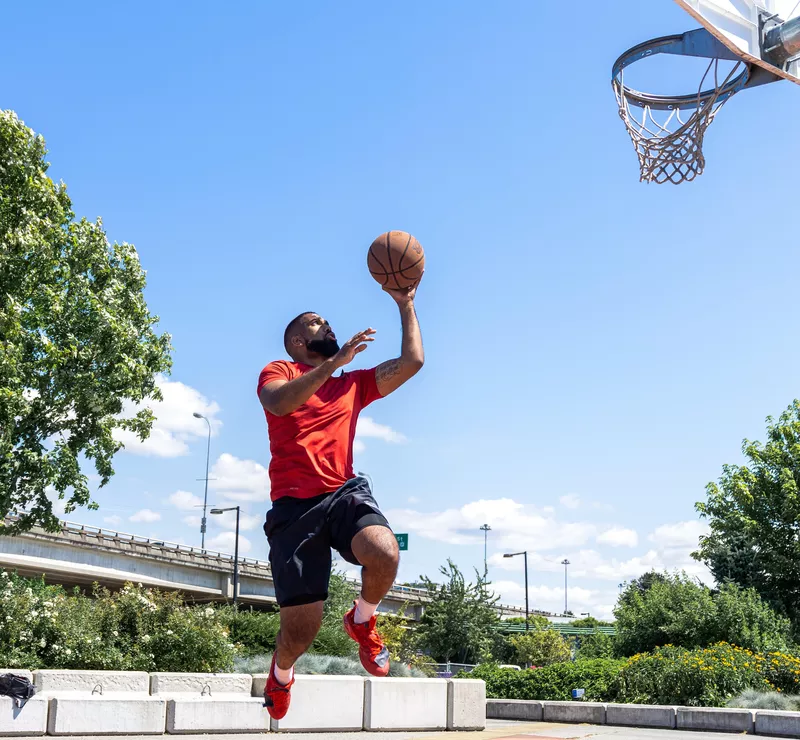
<point x="277" y="697"/>
<point x="373" y="653"/>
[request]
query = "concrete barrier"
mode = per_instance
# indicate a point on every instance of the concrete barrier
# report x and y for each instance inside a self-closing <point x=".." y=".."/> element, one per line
<point x="333" y="703"/>
<point x="201" y="684"/>
<point x="466" y="704"/>
<point x="715" y="720"/>
<point x="29" y="719"/>
<point x="641" y="715"/>
<point x="780" y="724"/>
<point x="574" y="711"/>
<point x="199" y="715"/>
<point x="98" y="682"/>
<point x="530" y="711"/>
<point x="405" y="704"/>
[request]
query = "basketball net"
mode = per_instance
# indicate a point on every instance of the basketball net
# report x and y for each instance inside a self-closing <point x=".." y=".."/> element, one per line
<point x="670" y="149"/>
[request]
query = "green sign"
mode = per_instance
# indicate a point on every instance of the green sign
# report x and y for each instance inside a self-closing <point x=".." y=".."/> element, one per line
<point x="402" y="541"/>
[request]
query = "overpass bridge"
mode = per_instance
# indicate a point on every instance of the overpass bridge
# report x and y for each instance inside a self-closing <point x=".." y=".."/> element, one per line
<point x="80" y="555"/>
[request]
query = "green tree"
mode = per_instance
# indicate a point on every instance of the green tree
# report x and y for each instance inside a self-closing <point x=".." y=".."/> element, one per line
<point x="676" y="610"/>
<point x="541" y="647"/>
<point x="595" y="645"/>
<point x="458" y="623"/>
<point x="77" y="344"/>
<point x="754" y="514"/>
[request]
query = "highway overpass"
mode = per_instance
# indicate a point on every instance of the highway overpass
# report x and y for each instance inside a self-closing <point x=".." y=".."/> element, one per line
<point x="80" y="555"/>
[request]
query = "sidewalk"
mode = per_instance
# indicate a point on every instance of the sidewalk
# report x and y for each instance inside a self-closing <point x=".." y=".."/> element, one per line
<point x="495" y="730"/>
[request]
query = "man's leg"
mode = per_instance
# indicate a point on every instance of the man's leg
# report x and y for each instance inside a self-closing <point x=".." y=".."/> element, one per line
<point x="299" y="627"/>
<point x="375" y="547"/>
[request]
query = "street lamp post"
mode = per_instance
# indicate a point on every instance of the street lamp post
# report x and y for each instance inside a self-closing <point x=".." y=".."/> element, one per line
<point x="565" y="563"/>
<point x="525" y="554"/>
<point x="237" y="509"/>
<point x="485" y="529"/>
<point x="205" y="495"/>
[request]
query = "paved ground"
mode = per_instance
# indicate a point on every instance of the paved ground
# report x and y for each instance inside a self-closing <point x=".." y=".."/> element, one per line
<point x="495" y="730"/>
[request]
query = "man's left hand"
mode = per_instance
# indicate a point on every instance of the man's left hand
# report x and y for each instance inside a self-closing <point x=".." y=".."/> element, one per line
<point x="404" y="295"/>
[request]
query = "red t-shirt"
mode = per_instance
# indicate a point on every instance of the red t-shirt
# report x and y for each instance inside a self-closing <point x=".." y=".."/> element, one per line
<point x="312" y="448"/>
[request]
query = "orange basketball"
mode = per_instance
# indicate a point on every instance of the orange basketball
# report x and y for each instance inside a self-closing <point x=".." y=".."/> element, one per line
<point x="396" y="260"/>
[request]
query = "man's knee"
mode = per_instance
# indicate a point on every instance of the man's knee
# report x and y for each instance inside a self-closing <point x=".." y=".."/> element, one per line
<point x="376" y="547"/>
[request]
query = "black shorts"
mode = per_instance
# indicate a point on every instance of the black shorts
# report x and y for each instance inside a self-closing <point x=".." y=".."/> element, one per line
<point x="302" y="531"/>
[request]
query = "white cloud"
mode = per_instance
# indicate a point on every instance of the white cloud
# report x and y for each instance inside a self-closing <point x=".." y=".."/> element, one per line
<point x="240" y="480"/>
<point x="368" y="427"/>
<point x="145" y="515"/>
<point x="225" y="542"/>
<point x="185" y="500"/>
<point x="174" y="427"/>
<point x="358" y="447"/>
<point x="618" y="537"/>
<point x="570" y="501"/>
<point x="114" y="519"/>
<point x="193" y="520"/>
<point x="681" y="534"/>
<point x="413" y="500"/>
<point x="227" y="521"/>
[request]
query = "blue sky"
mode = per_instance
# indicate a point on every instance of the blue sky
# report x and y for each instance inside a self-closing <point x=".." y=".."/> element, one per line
<point x="596" y="348"/>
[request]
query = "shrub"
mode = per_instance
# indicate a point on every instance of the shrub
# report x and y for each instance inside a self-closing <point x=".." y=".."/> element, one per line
<point x="595" y="645"/>
<point x="324" y="665"/>
<point x="707" y="677"/>
<point x="553" y="683"/>
<point x="254" y="633"/>
<point x="752" y="699"/>
<point x="540" y="647"/>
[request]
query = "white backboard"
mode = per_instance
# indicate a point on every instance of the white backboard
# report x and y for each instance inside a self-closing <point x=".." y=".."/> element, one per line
<point x="736" y="24"/>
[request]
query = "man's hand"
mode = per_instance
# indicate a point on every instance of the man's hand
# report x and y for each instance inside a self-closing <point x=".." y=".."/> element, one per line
<point x="405" y="295"/>
<point x="352" y="347"/>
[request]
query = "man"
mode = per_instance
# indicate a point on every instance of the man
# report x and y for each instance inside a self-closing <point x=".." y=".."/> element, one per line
<point x="318" y="503"/>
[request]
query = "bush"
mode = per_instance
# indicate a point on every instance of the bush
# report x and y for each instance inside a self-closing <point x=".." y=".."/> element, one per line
<point x="752" y="699"/>
<point x="553" y="683"/>
<point x="254" y="633"/>
<point x="541" y="648"/>
<point x="709" y="677"/>
<point x="595" y="645"/>
<point x="322" y="665"/>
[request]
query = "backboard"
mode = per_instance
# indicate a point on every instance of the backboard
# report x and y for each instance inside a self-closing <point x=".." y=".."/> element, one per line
<point x="762" y="32"/>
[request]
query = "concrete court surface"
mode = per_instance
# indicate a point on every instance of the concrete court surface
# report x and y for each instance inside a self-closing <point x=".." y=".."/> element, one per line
<point x="495" y="730"/>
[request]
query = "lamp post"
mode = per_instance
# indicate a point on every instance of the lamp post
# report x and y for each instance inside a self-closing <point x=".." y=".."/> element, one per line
<point x="205" y="495"/>
<point x="525" y="554"/>
<point x="485" y="529"/>
<point x="565" y="563"/>
<point x="237" y="509"/>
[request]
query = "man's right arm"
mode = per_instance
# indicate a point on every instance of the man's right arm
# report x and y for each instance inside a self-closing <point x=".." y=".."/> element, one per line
<point x="282" y="397"/>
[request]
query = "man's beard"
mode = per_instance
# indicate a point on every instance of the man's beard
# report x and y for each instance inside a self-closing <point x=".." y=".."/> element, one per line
<point x="325" y="347"/>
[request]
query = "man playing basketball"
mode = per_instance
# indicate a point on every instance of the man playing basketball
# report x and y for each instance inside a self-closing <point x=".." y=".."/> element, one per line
<point x="318" y="503"/>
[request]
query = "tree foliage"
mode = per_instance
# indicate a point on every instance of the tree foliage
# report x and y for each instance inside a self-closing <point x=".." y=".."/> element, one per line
<point x="754" y="516"/>
<point x="77" y="341"/>
<point x="458" y="623"/>
<point x="676" y="610"/>
<point x="541" y="647"/>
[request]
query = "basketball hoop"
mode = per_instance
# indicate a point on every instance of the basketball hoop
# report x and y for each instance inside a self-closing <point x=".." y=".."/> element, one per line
<point x="668" y="131"/>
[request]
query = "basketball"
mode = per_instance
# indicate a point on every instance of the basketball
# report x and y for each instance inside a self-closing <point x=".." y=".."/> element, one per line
<point x="396" y="260"/>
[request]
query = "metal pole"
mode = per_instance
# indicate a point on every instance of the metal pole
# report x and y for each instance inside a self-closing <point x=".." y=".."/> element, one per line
<point x="205" y="495"/>
<point x="526" y="590"/>
<point x="783" y="42"/>
<point x="565" y="563"/>
<point x="236" y="561"/>
<point x="485" y="529"/>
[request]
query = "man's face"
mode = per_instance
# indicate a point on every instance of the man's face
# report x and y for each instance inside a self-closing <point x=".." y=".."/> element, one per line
<point x="319" y="336"/>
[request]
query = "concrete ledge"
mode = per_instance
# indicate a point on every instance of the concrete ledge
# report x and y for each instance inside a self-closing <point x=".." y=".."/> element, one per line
<point x="466" y="704"/>
<point x="29" y="719"/>
<point x="780" y="724"/>
<point x="198" y="715"/>
<point x="98" y="715"/>
<point x="715" y="720"/>
<point x="641" y="715"/>
<point x="405" y="704"/>
<point x="514" y="709"/>
<point x="100" y="682"/>
<point x="201" y="684"/>
<point x="574" y="711"/>
<point x="320" y="703"/>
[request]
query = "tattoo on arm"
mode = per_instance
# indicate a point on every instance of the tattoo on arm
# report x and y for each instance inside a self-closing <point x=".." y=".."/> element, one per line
<point x="388" y="370"/>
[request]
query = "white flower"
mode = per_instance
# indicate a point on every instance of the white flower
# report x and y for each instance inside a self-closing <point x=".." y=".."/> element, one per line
<point x="34" y="614"/>
<point x="9" y="618"/>
<point x="97" y="639"/>
<point x="115" y="633"/>
<point x="4" y="574"/>
<point x="169" y="632"/>
<point x="145" y="638"/>
<point x="209" y="611"/>
<point x="69" y="652"/>
<point x="43" y="643"/>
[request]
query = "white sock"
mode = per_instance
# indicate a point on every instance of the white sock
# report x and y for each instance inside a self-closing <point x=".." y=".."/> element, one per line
<point x="283" y="676"/>
<point x="364" y="611"/>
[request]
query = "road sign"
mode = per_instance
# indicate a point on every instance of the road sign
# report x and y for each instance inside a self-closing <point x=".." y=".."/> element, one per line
<point x="402" y="541"/>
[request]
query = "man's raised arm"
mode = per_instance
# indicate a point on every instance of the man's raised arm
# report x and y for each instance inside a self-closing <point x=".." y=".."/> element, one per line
<point x="390" y="375"/>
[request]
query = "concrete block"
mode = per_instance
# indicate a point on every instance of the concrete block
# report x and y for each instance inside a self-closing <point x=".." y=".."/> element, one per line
<point x="100" y="715"/>
<point x="198" y="715"/>
<point x="574" y="711"/>
<point x="29" y="719"/>
<point x="466" y="704"/>
<point x="781" y="724"/>
<point x="405" y="704"/>
<point x="99" y="682"/>
<point x="715" y="720"/>
<point x="201" y="684"/>
<point x="530" y="711"/>
<point x="641" y="715"/>
<point x="333" y="703"/>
